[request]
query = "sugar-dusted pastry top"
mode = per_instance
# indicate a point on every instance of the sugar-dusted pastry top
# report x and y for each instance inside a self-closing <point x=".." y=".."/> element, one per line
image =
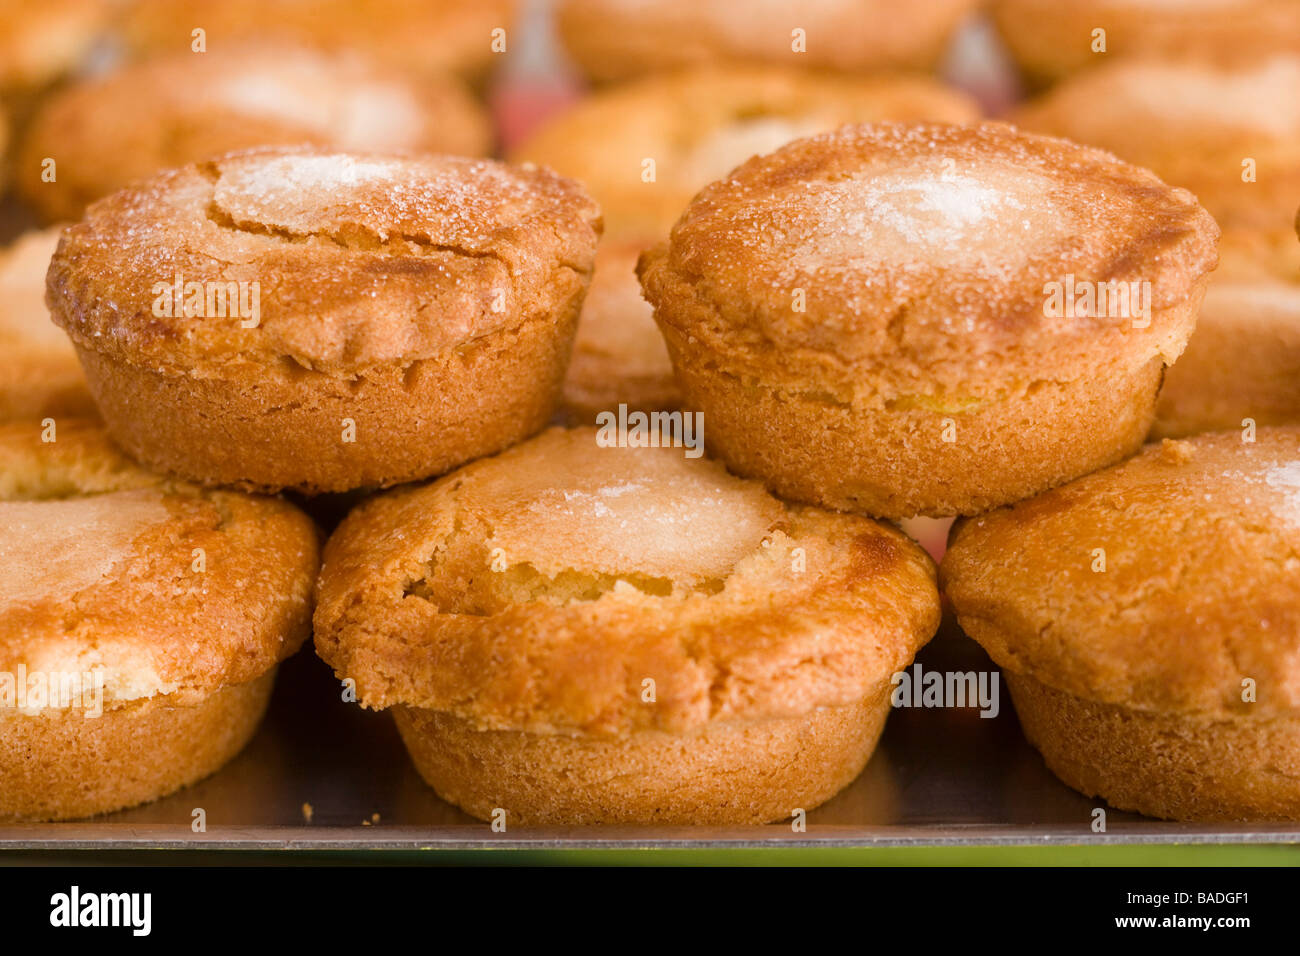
<point x="356" y="259"/>
<point x="924" y="250"/>
<point x="1200" y="544"/>
<point x="539" y="589"/>
<point x="108" y="132"/>
<point x="697" y="125"/>
<point x="98" y="571"/>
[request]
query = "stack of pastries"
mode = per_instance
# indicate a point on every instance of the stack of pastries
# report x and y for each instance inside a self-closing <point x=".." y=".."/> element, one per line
<point x="627" y="423"/>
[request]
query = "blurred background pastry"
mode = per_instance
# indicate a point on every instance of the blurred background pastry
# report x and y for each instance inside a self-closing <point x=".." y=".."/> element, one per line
<point x="108" y="132"/>
<point x="614" y="39"/>
<point x="39" y="372"/>
<point x="1051" y="40"/>
<point x="413" y="35"/>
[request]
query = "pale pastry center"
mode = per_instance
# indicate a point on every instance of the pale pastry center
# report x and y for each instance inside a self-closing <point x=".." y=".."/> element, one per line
<point x="54" y="549"/>
<point x="984" y="217"/>
<point x="663" y="519"/>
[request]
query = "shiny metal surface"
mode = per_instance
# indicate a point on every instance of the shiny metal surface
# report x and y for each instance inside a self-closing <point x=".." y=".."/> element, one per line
<point x="940" y="778"/>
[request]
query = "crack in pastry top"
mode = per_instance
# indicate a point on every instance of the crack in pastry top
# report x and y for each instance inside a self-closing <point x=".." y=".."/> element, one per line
<point x="362" y="259"/>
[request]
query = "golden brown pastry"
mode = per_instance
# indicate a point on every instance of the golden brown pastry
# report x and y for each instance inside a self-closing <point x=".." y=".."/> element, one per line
<point x="905" y="319"/>
<point x="575" y="633"/>
<point x="108" y="132"/>
<point x="616" y="39"/>
<point x="1231" y="135"/>
<point x="1051" y="40"/>
<point x="695" y="125"/>
<point x="141" y="622"/>
<point x="326" y="321"/>
<point x="1147" y="619"/>
<point x="39" y="372"/>
<point x="413" y="35"/>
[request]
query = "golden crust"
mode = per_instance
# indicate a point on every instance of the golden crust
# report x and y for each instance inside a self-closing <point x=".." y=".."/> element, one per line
<point x="870" y="286"/>
<point x="413" y="35"/>
<point x="1050" y="39"/>
<point x="617" y="565"/>
<point x="619" y="356"/>
<point x="1194" y="124"/>
<point x="1201" y="587"/>
<point x="614" y="41"/>
<point x="853" y="218"/>
<point x="415" y="313"/>
<point x="108" y="132"/>
<point x="60" y="765"/>
<point x="1181" y="767"/>
<point x="39" y="372"/>
<point x="699" y="124"/>
<point x="742" y="772"/>
<point x="39" y="42"/>
<point x="116" y="586"/>
<point x="364" y="259"/>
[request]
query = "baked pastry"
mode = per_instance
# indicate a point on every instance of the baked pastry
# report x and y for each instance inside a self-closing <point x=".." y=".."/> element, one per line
<point x="40" y="42"/>
<point x="141" y="622"/>
<point x="39" y="372"/>
<point x="619" y="357"/>
<point x="866" y="317"/>
<point x="413" y="35"/>
<point x="696" y="125"/>
<point x="108" y="132"/>
<point x="577" y="633"/>
<point x="1196" y="124"/>
<point x="397" y="316"/>
<point x="1243" y="361"/>
<point x="1051" y="40"/>
<point x="1147" y="620"/>
<point x="614" y="40"/>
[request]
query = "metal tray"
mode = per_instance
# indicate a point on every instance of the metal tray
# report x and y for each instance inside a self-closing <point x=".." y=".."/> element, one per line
<point x="941" y="777"/>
